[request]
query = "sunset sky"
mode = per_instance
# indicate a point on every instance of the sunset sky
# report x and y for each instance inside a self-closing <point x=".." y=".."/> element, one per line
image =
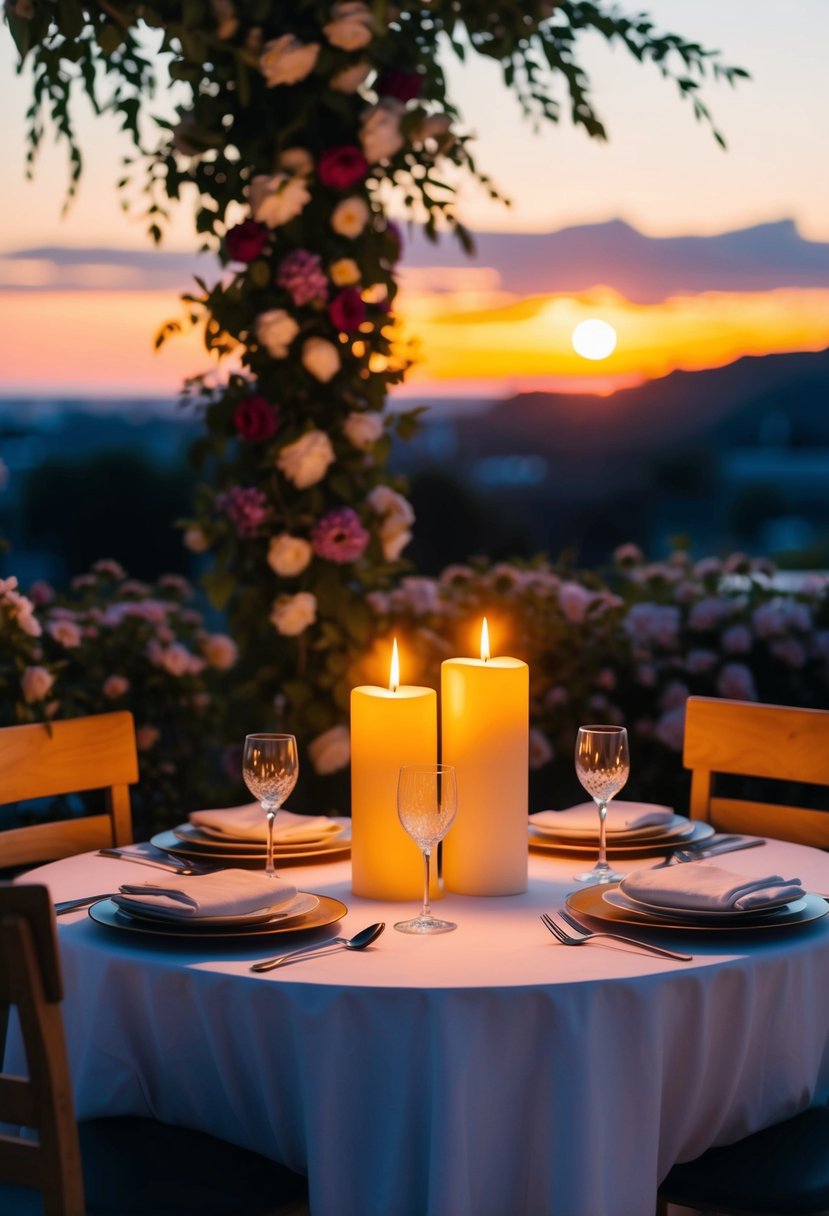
<point x="90" y="332"/>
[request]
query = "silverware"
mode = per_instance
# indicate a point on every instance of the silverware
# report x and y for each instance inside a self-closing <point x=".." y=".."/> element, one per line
<point x="709" y="848"/>
<point x="173" y="867"/>
<point x="70" y="905"/>
<point x="359" y="942"/>
<point x="583" y="936"/>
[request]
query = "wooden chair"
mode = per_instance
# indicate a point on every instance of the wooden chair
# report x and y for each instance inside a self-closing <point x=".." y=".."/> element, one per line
<point x="104" y="1167"/>
<point x="43" y="760"/>
<point x="767" y="741"/>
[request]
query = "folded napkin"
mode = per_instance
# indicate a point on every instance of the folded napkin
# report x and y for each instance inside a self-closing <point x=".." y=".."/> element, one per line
<point x="250" y="823"/>
<point x="709" y="888"/>
<point x="621" y="817"/>
<point x="225" y="893"/>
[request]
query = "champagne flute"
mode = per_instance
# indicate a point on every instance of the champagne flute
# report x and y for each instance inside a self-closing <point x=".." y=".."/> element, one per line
<point x="270" y="767"/>
<point x="427" y="801"/>
<point x="602" y="767"/>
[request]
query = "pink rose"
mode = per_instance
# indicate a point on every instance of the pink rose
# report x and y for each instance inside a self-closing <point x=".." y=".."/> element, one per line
<point x="36" y="683"/>
<point x="342" y="168"/>
<point x="256" y="419"/>
<point x="115" y="687"/>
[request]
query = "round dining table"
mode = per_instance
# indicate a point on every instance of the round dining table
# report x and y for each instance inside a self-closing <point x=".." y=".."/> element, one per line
<point x="490" y="1071"/>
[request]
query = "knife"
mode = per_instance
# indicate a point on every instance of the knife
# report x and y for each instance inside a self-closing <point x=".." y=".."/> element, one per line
<point x="69" y="905"/>
<point x="715" y="850"/>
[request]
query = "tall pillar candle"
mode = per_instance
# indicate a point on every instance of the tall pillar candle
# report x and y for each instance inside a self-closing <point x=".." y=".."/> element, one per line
<point x="390" y="727"/>
<point x="485" y="735"/>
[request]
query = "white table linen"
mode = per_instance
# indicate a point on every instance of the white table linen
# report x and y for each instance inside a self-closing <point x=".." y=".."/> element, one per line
<point x="485" y="1072"/>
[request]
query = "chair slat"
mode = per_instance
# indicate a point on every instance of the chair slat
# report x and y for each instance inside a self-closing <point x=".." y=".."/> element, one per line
<point x="44" y="760"/>
<point x="774" y="742"/>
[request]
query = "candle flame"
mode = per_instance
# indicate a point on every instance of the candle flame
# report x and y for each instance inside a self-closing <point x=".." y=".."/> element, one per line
<point x="485" y="641"/>
<point x="394" y="670"/>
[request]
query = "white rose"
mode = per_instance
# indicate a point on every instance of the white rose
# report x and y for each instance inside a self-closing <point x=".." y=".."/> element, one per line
<point x="306" y="461"/>
<point x="276" y="200"/>
<point x="394" y="536"/>
<point x="289" y="555"/>
<point x="330" y="751"/>
<point x="276" y="330"/>
<point x="363" y="429"/>
<point x="286" y="60"/>
<point x="349" y="79"/>
<point x="383" y="500"/>
<point x="321" y="358"/>
<point x="344" y="272"/>
<point x="350" y="217"/>
<point x="220" y="651"/>
<point x="351" y="26"/>
<point x="380" y="134"/>
<point x="195" y="539"/>
<point x="36" y="683"/>
<point x="292" y="614"/>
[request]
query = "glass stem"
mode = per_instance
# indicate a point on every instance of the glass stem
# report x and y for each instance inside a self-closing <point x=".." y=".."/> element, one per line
<point x="427" y="868"/>
<point x="269" y="866"/>
<point x="602" y="862"/>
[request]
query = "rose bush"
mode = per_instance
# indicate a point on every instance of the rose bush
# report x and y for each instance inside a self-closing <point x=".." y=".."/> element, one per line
<point x="111" y="643"/>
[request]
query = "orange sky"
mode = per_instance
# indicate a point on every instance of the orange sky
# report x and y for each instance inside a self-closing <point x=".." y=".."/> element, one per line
<point x="478" y="340"/>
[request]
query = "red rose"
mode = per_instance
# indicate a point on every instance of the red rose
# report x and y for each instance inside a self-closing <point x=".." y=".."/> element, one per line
<point x="347" y="310"/>
<point x="256" y="419"/>
<point x="246" y="241"/>
<point x="403" y="86"/>
<point x="342" y="168"/>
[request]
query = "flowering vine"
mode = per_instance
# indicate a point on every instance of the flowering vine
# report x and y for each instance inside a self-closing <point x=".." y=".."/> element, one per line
<point x="302" y="122"/>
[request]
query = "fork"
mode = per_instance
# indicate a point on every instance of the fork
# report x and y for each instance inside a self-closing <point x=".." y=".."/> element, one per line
<point x="585" y="935"/>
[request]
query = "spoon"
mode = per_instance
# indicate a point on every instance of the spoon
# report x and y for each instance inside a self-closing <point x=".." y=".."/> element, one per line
<point x="358" y="942"/>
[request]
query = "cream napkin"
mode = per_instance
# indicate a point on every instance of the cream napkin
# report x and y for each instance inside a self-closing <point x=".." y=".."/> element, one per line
<point x="708" y="888"/>
<point x="250" y="823"/>
<point x="621" y="817"/>
<point x="225" y="893"/>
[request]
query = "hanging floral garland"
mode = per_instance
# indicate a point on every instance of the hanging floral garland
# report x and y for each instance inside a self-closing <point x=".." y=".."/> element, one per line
<point x="303" y="122"/>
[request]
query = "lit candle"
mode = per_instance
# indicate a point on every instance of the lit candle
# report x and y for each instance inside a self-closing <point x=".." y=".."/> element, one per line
<point x="485" y="734"/>
<point x="389" y="727"/>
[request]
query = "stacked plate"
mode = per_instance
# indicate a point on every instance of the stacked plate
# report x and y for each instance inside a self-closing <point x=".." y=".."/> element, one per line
<point x="634" y="829"/>
<point x="306" y="912"/>
<point x="613" y="907"/>
<point x="202" y="842"/>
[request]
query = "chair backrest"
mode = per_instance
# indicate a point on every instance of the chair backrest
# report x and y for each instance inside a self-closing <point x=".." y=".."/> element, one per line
<point x="775" y="742"/>
<point x="65" y="757"/>
<point x="30" y="980"/>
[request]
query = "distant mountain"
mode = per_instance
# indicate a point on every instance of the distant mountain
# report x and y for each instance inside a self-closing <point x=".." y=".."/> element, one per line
<point x="643" y="268"/>
<point x="752" y="402"/>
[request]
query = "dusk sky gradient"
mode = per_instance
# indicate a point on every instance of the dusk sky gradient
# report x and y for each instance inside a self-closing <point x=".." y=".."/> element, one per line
<point x="661" y="172"/>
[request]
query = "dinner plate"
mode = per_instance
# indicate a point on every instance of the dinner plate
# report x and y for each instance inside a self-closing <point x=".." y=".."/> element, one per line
<point x="640" y="848"/>
<point x="618" y="898"/>
<point x="188" y="844"/>
<point x="299" y="906"/>
<point x="213" y="837"/>
<point x="327" y="912"/>
<point x="674" y="824"/>
<point x="590" y="902"/>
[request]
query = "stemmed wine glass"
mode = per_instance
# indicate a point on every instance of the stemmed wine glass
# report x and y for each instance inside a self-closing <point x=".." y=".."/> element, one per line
<point x="270" y="767"/>
<point x="427" y="801"/>
<point x="602" y="766"/>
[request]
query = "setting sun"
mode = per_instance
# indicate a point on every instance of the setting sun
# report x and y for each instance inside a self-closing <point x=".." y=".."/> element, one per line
<point x="594" y="339"/>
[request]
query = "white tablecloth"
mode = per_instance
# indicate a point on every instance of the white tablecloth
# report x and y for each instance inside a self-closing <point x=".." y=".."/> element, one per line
<point x="486" y="1072"/>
